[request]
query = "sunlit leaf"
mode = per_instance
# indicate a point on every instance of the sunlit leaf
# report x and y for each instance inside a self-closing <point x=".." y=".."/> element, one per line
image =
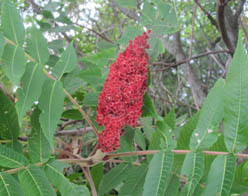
<point x="148" y="109"/>
<point x="148" y="14"/>
<point x="205" y="133"/>
<point x="173" y="186"/>
<point x="32" y="82"/>
<point x="34" y="182"/>
<point x="9" y="186"/>
<point x="9" y="127"/>
<point x="37" y="46"/>
<point x="66" y="63"/>
<point x="101" y="58"/>
<point x="2" y="43"/>
<point x="129" y="34"/>
<point x="193" y="167"/>
<point x="158" y="175"/>
<point x="54" y="173"/>
<point x="140" y="139"/>
<point x="14" y="63"/>
<point x="10" y="158"/>
<point x="51" y="104"/>
<point x="236" y="101"/>
<point x="221" y="176"/>
<point x="12" y="25"/>
<point x="114" y="177"/>
<point x="134" y="183"/>
<point x="126" y="3"/>
<point x="38" y="145"/>
<point x="186" y="131"/>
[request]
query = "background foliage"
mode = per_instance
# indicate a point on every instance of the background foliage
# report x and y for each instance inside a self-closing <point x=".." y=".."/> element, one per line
<point x="192" y="136"/>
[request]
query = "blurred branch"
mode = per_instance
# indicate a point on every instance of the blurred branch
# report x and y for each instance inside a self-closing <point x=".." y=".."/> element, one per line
<point x="228" y="23"/>
<point x="97" y="33"/>
<point x="239" y="8"/>
<point x="197" y="99"/>
<point x="210" y="17"/>
<point x="222" y="25"/>
<point x="169" y="65"/>
<point x="128" y="12"/>
<point x="87" y="174"/>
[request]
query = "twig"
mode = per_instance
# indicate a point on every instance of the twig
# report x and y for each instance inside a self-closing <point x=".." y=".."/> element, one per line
<point x="92" y="30"/>
<point x="197" y="104"/>
<point x="81" y="111"/>
<point x="185" y="61"/>
<point x="99" y="157"/>
<point x="6" y="92"/>
<point x="12" y="171"/>
<point x="210" y="17"/>
<point x="148" y="152"/>
<point x="69" y="122"/>
<point x="73" y="132"/>
<point x="90" y="180"/>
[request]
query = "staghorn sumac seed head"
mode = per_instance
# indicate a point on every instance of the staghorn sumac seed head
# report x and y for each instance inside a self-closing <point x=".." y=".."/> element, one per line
<point x="120" y="102"/>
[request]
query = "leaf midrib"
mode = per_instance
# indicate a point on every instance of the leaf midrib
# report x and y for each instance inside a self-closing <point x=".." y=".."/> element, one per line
<point x="5" y="185"/>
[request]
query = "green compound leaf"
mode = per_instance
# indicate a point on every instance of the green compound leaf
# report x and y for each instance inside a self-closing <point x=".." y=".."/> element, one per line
<point x="158" y="175"/>
<point x="236" y="102"/>
<point x="114" y="177"/>
<point x="161" y="27"/>
<point x="168" y="13"/>
<point x="148" y="109"/>
<point x="166" y="136"/>
<point x="211" y="114"/>
<point x="72" y="114"/>
<point x="148" y="14"/>
<point x="54" y="173"/>
<point x="37" y="46"/>
<point x="66" y="63"/>
<point x="97" y="174"/>
<point x="140" y="139"/>
<point x="9" y="186"/>
<point x="156" y="47"/>
<point x="91" y="99"/>
<point x="134" y="183"/>
<point x="240" y="183"/>
<point x="186" y="132"/>
<point x="221" y="175"/>
<point x="101" y="58"/>
<point x="148" y="127"/>
<point x="92" y="76"/>
<point x="38" y="146"/>
<point x="14" y="63"/>
<point x="34" y="182"/>
<point x="193" y="167"/>
<point x="32" y="82"/>
<point x="2" y="43"/>
<point x="51" y="104"/>
<point x="9" y="127"/>
<point x="173" y="186"/>
<point x="10" y="158"/>
<point x="129" y="34"/>
<point x="170" y="119"/>
<point x="12" y="25"/>
<point x="126" y="3"/>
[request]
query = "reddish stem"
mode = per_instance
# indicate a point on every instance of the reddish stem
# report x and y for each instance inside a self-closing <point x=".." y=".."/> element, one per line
<point x="147" y="152"/>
